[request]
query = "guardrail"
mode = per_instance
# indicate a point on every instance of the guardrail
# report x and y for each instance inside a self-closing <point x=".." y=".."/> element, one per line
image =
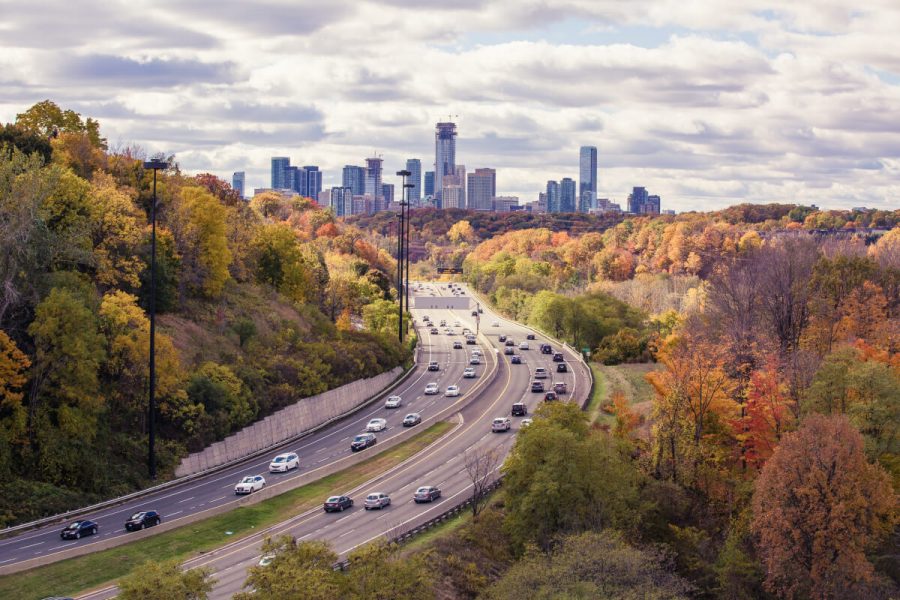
<point x="61" y="517"/>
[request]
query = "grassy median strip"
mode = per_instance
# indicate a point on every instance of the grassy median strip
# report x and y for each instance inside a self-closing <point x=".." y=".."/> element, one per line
<point x="598" y="394"/>
<point x="91" y="571"/>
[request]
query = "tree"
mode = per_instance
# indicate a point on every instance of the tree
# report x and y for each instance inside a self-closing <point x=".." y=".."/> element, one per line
<point x="766" y="418"/>
<point x="48" y="120"/>
<point x="14" y="366"/>
<point x="281" y="263"/>
<point x="298" y="571"/>
<point x="25" y="142"/>
<point x="481" y="466"/>
<point x="202" y="237"/>
<point x="461" y="231"/>
<point x="116" y="234"/>
<point x="378" y="572"/>
<point x="381" y="317"/>
<point x="166" y="581"/>
<point x="818" y="506"/>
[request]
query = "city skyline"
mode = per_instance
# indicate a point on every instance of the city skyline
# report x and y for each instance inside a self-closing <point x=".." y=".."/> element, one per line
<point x="711" y="105"/>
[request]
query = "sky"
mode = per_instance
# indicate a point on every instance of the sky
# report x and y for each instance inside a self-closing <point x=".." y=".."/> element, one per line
<point x="705" y="103"/>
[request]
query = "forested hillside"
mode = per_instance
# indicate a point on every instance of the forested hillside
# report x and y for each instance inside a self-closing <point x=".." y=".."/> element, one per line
<point x="260" y="304"/>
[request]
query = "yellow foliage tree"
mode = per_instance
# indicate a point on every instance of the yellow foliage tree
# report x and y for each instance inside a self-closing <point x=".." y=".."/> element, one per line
<point x="202" y="237"/>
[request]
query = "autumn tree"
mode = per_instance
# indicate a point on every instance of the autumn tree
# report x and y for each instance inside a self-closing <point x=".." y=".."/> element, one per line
<point x="202" y="237"/>
<point x="47" y="119"/>
<point x="116" y="234"/>
<point x="14" y="366"/>
<point x="166" y="581"/>
<point x="818" y="506"/>
<point x="767" y="415"/>
<point x="460" y="232"/>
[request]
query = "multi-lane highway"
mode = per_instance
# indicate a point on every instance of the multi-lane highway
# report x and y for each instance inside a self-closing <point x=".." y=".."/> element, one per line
<point x="491" y="394"/>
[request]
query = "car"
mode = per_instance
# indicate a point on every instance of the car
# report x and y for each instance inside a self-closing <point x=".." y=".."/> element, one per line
<point x="476" y="352"/>
<point x="448" y="331"/>
<point x="509" y="351"/>
<point x="284" y="463"/>
<point x="426" y="318"/>
<point x="495" y="324"/>
<point x="519" y="409"/>
<point x="515" y="359"/>
<point x="434" y="331"/>
<point x="525" y="423"/>
<point x="412" y="419"/>
<point x="502" y="338"/>
<point x="393" y="402"/>
<point x="469" y="373"/>
<point x="250" y="484"/>
<point x="537" y="387"/>
<point x="452" y="390"/>
<point x="376" y="424"/>
<point x="431" y="389"/>
<point x="530" y="336"/>
<point x="457" y="345"/>
<point x="427" y="493"/>
<point x="433" y="366"/>
<point x="470" y="339"/>
<point x="501" y="424"/>
<point x="510" y="342"/>
<point x="145" y="518"/>
<point x="550" y="396"/>
<point x="560" y="387"/>
<point x="443" y="322"/>
<point x="540" y="373"/>
<point x="266" y="560"/>
<point x="523" y="346"/>
<point x="363" y="441"/>
<point x="79" y="529"/>
<point x="338" y="503"/>
<point x="558" y="357"/>
<point x="377" y="500"/>
<point x="457" y="324"/>
<point x="562" y="368"/>
<point x="546" y="349"/>
<point x="475" y="360"/>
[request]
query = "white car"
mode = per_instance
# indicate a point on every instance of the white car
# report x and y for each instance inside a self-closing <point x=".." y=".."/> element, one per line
<point x="475" y="360"/>
<point x="431" y="389"/>
<point x="284" y="463"/>
<point x="377" y="425"/>
<point x="525" y="423"/>
<point x="540" y="373"/>
<point x="266" y="560"/>
<point x="523" y="345"/>
<point x="495" y="324"/>
<point x="469" y="373"/>
<point x="452" y="390"/>
<point x="393" y="402"/>
<point x="250" y="484"/>
<point x="501" y="424"/>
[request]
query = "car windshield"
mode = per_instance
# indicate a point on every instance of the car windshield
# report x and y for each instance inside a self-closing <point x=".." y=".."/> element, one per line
<point x="372" y="497"/>
<point x="422" y="490"/>
<point x="279" y="459"/>
<point x="137" y="516"/>
<point x="334" y="499"/>
<point x="498" y="420"/>
<point x="359" y="438"/>
<point x="247" y="480"/>
<point x="74" y="525"/>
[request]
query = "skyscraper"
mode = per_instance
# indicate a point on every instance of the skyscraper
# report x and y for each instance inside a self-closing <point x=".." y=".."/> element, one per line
<point x="552" y="196"/>
<point x="293" y="179"/>
<point x="444" y="152"/>
<point x="460" y="179"/>
<point x="373" y="182"/>
<point x="637" y="200"/>
<point x="354" y="178"/>
<point x="238" y="181"/>
<point x="280" y="165"/>
<point x="482" y="187"/>
<point x="414" y="166"/>
<point x="429" y="183"/>
<point x="567" y="195"/>
<point x="387" y="190"/>
<point x="312" y="182"/>
<point x="587" y="178"/>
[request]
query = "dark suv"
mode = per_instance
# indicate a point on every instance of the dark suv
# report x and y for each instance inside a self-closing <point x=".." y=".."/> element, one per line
<point x="519" y="409"/>
<point x="558" y="357"/>
<point x="139" y="520"/>
<point x="562" y="368"/>
<point x="546" y="349"/>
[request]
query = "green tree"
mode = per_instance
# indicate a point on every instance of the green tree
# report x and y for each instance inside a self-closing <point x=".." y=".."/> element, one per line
<point x="298" y="571"/>
<point x="381" y="317"/>
<point x="65" y="400"/>
<point x="47" y="119"/>
<point x="166" y="581"/>
<point x="223" y="395"/>
<point x="378" y="572"/>
<point x="26" y="142"/>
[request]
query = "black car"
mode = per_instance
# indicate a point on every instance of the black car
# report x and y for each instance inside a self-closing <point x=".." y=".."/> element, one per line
<point x="79" y="529"/>
<point x="139" y="520"/>
<point x="338" y="503"/>
<point x="519" y="409"/>
<point x="502" y="338"/>
<point x="562" y="368"/>
<point x="433" y="366"/>
<point x="550" y="396"/>
<point x="510" y="342"/>
<point x="558" y="357"/>
<point x="515" y="359"/>
<point x="457" y="345"/>
<point x="412" y="419"/>
<point x="363" y="441"/>
<point x="546" y="349"/>
<point x="530" y="336"/>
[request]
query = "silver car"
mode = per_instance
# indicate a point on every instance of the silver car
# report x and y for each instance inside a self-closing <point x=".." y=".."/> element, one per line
<point x="377" y="500"/>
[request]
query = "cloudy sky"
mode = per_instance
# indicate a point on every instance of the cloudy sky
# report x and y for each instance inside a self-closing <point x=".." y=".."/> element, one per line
<point x="705" y="103"/>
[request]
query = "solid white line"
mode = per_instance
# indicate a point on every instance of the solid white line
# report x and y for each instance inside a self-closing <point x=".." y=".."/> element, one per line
<point x="31" y="545"/>
<point x="175" y="513"/>
<point x="186" y="499"/>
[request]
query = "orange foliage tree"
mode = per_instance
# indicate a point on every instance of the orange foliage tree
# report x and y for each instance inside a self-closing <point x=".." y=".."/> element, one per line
<point x="767" y="416"/>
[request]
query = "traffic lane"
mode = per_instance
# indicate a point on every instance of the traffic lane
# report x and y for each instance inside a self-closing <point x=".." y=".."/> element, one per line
<point x="217" y="489"/>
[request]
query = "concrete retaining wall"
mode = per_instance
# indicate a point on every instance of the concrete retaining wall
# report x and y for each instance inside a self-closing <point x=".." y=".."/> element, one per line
<point x="287" y="423"/>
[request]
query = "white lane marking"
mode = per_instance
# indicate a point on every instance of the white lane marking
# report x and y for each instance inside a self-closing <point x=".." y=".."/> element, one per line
<point x="186" y="499"/>
<point x="175" y="513"/>
<point x="217" y="499"/>
<point x="7" y="560"/>
<point x="321" y="450"/>
<point x="346" y="533"/>
<point x="31" y="545"/>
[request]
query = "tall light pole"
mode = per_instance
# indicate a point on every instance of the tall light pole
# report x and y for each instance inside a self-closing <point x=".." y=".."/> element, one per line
<point x="404" y="173"/>
<point x="406" y="188"/>
<point x="156" y="165"/>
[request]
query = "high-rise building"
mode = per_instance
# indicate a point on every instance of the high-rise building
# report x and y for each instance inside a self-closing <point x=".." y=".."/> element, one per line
<point x="373" y="178"/>
<point x="342" y="201"/>
<point x="482" y="187"/>
<point x="280" y="165"/>
<point x="238" y="181"/>
<point x="653" y="205"/>
<point x="354" y="177"/>
<point x="414" y="166"/>
<point x="460" y="173"/>
<point x="587" y="178"/>
<point x="452" y="195"/>
<point x="637" y="200"/>
<point x="429" y="183"/>
<point x="387" y="190"/>
<point x="293" y="179"/>
<point x="567" y="195"/>
<point x="552" y="196"/>
<point x="311" y="184"/>
<point x="444" y="152"/>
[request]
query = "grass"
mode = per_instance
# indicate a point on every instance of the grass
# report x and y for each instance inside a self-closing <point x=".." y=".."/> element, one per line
<point x="598" y="394"/>
<point x="101" y="568"/>
<point x="447" y="527"/>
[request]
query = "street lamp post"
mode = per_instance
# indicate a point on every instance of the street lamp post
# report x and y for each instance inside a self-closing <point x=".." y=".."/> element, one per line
<point x="406" y="188"/>
<point x="156" y="165"/>
<point x="404" y="173"/>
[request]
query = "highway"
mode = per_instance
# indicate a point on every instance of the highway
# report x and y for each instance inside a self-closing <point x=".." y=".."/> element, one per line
<point x="499" y="384"/>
